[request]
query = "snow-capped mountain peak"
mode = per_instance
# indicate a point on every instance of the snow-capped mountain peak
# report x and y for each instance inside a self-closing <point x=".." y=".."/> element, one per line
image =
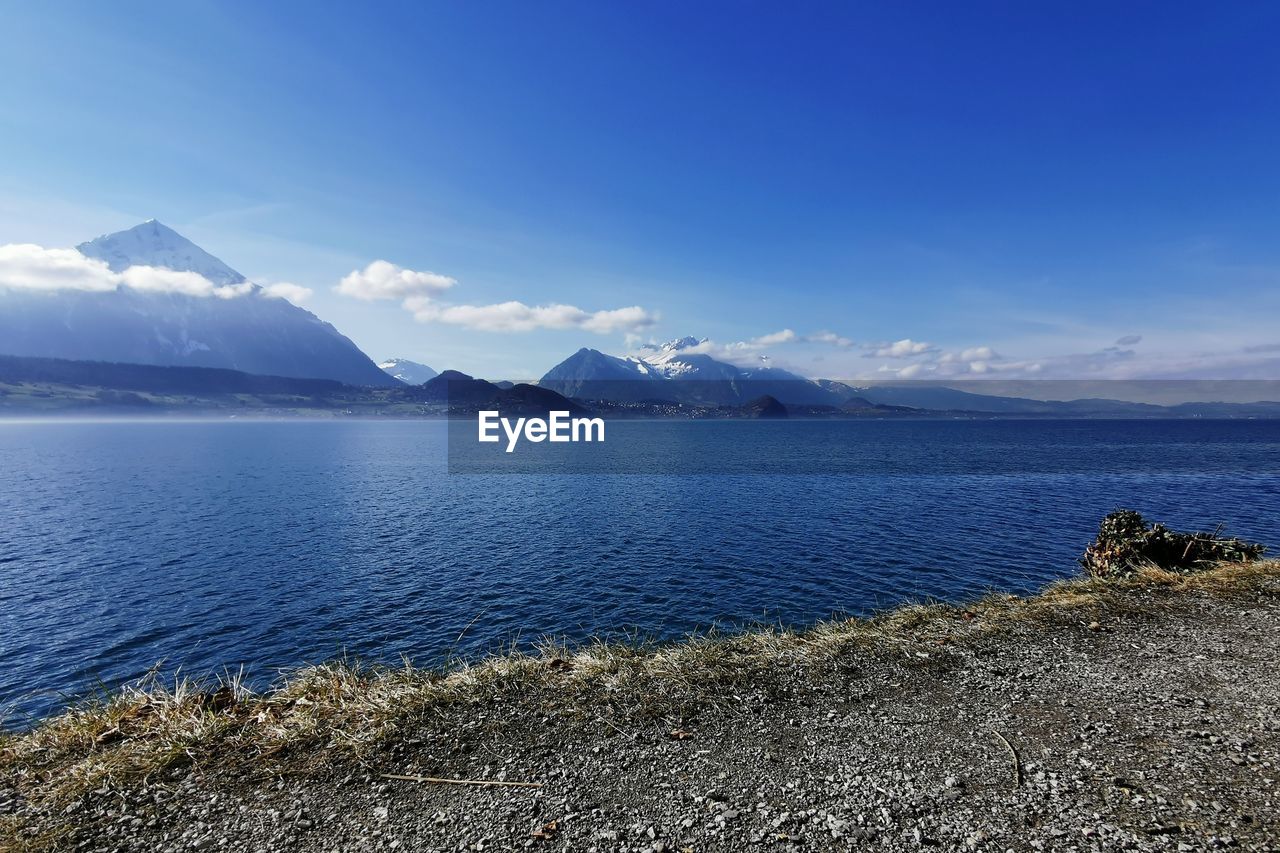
<point x="409" y="372"/>
<point x="155" y="244"/>
<point x="671" y="371"/>
<point x="681" y="358"/>
<point x="249" y="331"/>
<point x="685" y="343"/>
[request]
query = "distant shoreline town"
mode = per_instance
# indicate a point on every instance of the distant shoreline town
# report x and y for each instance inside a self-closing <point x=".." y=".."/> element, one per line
<point x="47" y="387"/>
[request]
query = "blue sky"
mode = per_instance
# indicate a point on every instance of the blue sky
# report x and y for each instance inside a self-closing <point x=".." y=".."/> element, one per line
<point x="1012" y="188"/>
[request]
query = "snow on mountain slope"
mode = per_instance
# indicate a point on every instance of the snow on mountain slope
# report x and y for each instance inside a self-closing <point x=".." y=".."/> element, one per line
<point x="682" y="359"/>
<point x="677" y="370"/>
<point x="157" y="245"/>
<point x="251" y="332"/>
<point x="408" y="372"/>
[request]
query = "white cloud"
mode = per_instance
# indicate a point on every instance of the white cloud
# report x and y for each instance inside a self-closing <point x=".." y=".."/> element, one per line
<point x="385" y="280"/>
<point x="231" y="291"/>
<point x="295" y="293"/>
<point x="910" y="371"/>
<point x="618" y="319"/>
<point x="161" y="280"/>
<point x="519" y="317"/>
<point x="829" y="338"/>
<point x="1218" y="358"/>
<point x="971" y="354"/>
<point x="772" y="339"/>
<point x="930" y="362"/>
<point x="748" y="352"/>
<point x="417" y="290"/>
<point x="32" y="267"/>
<point x="904" y="348"/>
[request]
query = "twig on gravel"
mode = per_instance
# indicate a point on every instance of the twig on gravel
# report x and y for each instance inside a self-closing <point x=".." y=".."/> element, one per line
<point x="1017" y="762"/>
<point x="488" y="783"/>
<point x="623" y="732"/>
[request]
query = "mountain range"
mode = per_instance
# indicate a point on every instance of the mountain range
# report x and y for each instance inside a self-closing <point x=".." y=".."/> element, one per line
<point x="252" y="332"/>
<point x="242" y="327"/>
<point x="679" y="371"/>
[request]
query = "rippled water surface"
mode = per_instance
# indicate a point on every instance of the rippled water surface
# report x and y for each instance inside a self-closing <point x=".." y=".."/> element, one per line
<point x="211" y="545"/>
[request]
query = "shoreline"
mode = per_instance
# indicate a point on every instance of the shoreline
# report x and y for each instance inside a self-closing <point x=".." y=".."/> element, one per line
<point x="128" y="773"/>
<point x="185" y="415"/>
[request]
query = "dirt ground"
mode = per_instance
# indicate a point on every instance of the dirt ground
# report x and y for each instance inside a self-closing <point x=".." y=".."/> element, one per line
<point x="1150" y="726"/>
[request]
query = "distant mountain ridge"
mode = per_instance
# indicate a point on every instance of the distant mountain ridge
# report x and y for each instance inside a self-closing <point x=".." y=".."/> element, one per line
<point x="48" y="386"/>
<point x="59" y="386"/>
<point x="408" y="372"/>
<point x="678" y="371"/>
<point x="157" y="378"/>
<point x="465" y="393"/>
<point x="252" y="332"/>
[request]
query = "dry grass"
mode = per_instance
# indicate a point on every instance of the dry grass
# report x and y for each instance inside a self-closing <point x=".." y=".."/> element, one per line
<point x="343" y="710"/>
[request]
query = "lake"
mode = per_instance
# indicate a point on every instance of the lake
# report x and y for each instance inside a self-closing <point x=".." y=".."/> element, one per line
<point x="212" y="545"/>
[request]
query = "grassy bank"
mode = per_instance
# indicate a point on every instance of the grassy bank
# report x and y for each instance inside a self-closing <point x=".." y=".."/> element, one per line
<point x="343" y="713"/>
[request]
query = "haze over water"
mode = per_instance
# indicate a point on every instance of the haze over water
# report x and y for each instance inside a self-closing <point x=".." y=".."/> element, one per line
<point x="208" y="545"/>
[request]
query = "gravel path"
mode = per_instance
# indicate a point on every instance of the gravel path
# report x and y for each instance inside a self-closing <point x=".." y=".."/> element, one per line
<point x="1145" y="731"/>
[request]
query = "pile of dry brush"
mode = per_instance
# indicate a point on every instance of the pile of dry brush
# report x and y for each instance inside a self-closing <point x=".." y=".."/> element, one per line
<point x="1126" y="543"/>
